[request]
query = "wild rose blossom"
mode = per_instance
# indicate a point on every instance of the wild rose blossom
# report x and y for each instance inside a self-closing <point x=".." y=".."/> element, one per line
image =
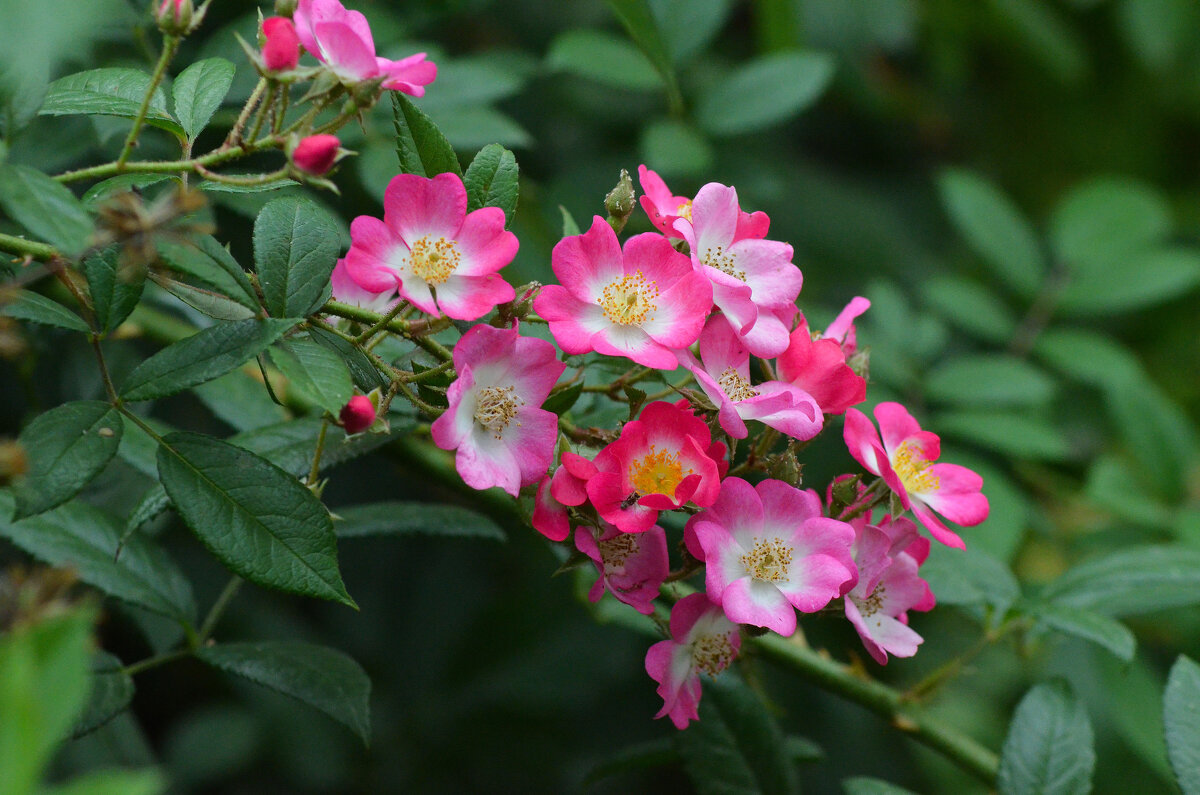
<point x="281" y="45"/>
<point x="567" y="487"/>
<point x="725" y="378"/>
<point x="495" y="420"/>
<point x="904" y="459"/>
<point x="755" y="283"/>
<point x="664" y="209"/>
<point x="817" y="363"/>
<point x="341" y="39"/>
<point x="643" y="303"/>
<point x="768" y="552"/>
<point x="632" y="566"/>
<point x="703" y="641"/>
<point x="347" y="291"/>
<point x="428" y="241"/>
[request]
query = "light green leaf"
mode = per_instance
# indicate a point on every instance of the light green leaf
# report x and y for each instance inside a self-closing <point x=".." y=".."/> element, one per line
<point x="112" y="690"/>
<point x="639" y="22"/>
<point x="254" y="517"/>
<point x="971" y="307"/>
<point x="209" y="186"/>
<point x="690" y="25"/>
<point x="46" y="208"/>
<point x="240" y="400"/>
<point x="1141" y="279"/>
<point x="296" y="245"/>
<point x="1158" y="434"/>
<point x="1015" y="435"/>
<point x="970" y="578"/>
<point x="199" y="90"/>
<point x="1130" y="581"/>
<point x="1038" y="29"/>
<point x="115" y="290"/>
<point x="202" y="357"/>
<point x="1089" y="357"/>
<point x="676" y="148"/>
<point x="994" y="228"/>
<point x="319" y="676"/>
<point x="1157" y="30"/>
<point x="1102" y="222"/>
<point x="1181" y="719"/>
<point x="764" y="91"/>
<point x="570" y="227"/>
<point x="39" y="309"/>
<point x="1105" y="632"/>
<point x="403" y="518"/>
<point x="109" y="92"/>
<point x="315" y="371"/>
<point x="492" y="181"/>
<point x="1049" y="746"/>
<point x="989" y="379"/>
<point x="362" y="370"/>
<point x="203" y="300"/>
<point x="467" y="128"/>
<point x="420" y="145"/>
<point x="66" y="447"/>
<point x="603" y="57"/>
<point x="1112" y="486"/>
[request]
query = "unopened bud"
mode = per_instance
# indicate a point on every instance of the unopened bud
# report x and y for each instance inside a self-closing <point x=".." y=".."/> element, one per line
<point x="620" y="202"/>
<point x="286" y="8"/>
<point x="358" y="414"/>
<point x="281" y="45"/>
<point x="316" y="154"/>
<point x="178" y="17"/>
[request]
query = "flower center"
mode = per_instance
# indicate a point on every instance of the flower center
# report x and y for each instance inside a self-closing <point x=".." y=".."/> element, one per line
<point x="873" y="603"/>
<point x="614" y="551"/>
<point x="496" y="407"/>
<point x="434" y="259"/>
<point x="630" y="300"/>
<point x="724" y="262"/>
<point x="657" y="472"/>
<point x="685" y="210"/>
<point x="712" y="653"/>
<point x="736" y="387"/>
<point x="768" y="561"/>
<point x="912" y="467"/>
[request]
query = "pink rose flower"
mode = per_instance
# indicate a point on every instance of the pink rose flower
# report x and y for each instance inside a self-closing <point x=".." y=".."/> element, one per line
<point x="665" y="208"/>
<point x="632" y="566"/>
<point x="644" y="303"/>
<point x="702" y="640"/>
<point x="904" y="459"/>
<point x="428" y="241"/>
<point x="817" y="364"/>
<point x="281" y="45"/>
<point x="768" y="552"/>
<point x="341" y="40"/>
<point x="347" y="291"/>
<point x="566" y="488"/>
<point x="316" y="154"/>
<point x="495" y="420"/>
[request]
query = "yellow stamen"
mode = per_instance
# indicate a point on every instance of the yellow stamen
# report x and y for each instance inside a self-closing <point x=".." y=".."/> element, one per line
<point x="712" y="653"/>
<point x="496" y="407"/>
<point x="736" y="387"/>
<point x="685" y="210"/>
<point x="726" y="263"/>
<point x="614" y="551"/>
<point x="768" y="561"/>
<point x="657" y="472"/>
<point x="434" y="259"/>
<point x="912" y="467"/>
<point x="630" y="300"/>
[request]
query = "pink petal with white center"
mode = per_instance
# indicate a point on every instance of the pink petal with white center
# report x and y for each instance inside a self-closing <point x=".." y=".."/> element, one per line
<point x="483" y="461"/>
<point x="747" y="601"/>
<point x="785" y="506"/>
<point x="416" y="207"/>
<point x="346" y="290"/>
<point x="727" y="413"/>
<point x="768" y="337"/>
<point x="585" y="264"/>
<point x="881" y="634"/>
<point x="344" y="51"/>
<point x="714" y="220"/>
<point x="634" y="344"/>
<point x="632" y="567"/>
<point x="720" y="349"/>
<point x="472" y="297"/>
<point x="683" y="297"/>
<point x="408" y="75"/>
<point x="549" y="515"/>
<point x="768" y="270"/>
<point x="483" y="242"/>
<point x="458" y="421"/>
<point x="862" y="440"/>
<point x="572" y="322"/>
<point x="786" y="408"/>
<point x="368" y="262"/>
<point x="822" y="568"/>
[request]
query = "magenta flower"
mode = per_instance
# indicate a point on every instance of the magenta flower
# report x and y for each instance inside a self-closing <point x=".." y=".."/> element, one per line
<point x="662" y="460"/>
<point x="703" y="641"/>
<point x="428" y="241"/>
<point x="665" y="208"/>
<point x="347" y="291"/>
<point x="816" y="363"/>
<point x="495" y="420"/>
<point x="644" y="303"/>
<point x="566" y="488"/>
<point x="767" y="549"/>
<point x="316" y="154"/>
<point x="754" y="281"/>
<point x="905" y="459"/>
<point x="632" y="566"/>
<point x="281" y="45"/>
<point x="358" y="414"/>
<point x="725" y="378"/>
<point x="341" y="40"/>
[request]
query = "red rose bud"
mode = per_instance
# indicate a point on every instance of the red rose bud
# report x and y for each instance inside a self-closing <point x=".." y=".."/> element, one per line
<point x="316" y="154"/>
<point x="175" y="17"/>
<point x="281" y="46"/>
<point x="358" y="414"/>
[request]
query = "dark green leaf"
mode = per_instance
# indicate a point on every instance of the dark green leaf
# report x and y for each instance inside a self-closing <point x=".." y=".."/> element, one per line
<point x="240" y="400"/>
<point x="1158" y="433"/>
<point x="153" y="502"/>
<point x="1036" y="27"/>
<point x="44" y="207"/>
<point x="971" y="578"/>
<point x="260" y="187"/>
<point x="207" y="261"/>
<point x="1112" y="485"/>
<point x="113" y="781"/>
<point x="365" y="376"/>
<point x="204" y="300"/>
<point x="39" y="309"/>
<point x="199" y="90"/>
<point x="802" y="750"/>
<point x="289" y="445"/>
<point x="1106" y="220"/>
<point x="320" y="677"/>
<point x="420" y="145"/>
<point x="1181" y="719"/>
<point x="492" y="180"/>
<point x="82" y="538"/>
<point x="66" y="447"/>
<point x="109" y="92"/>
<point x="989" y="379"/>
<point x="736" y="746"/>
<point x="639" y="22"/>
<point x="561" y="402"/>
<point x="1015" y="435"/>
<point x="475" y="128"/>
<point x="111" y="693"/>
<point x="1089" y="357"/>
<point x="1089" y="625"/>
<point x="1130" y="581"/>
<point x="862" y="785"/>
<point x="994" y="228"/>
<point x="763" y="92"/>
<point x="402" y="518"/>
<point x="602" y="57"/>
<point x="1142" y="279"/>
<point x="296" y="245"/>
<point x="202" y="357"/>
<point x="115" y="290"/>
<point x="642" y="756"/>
<point x="315" y="371"/>
<point x="689" y="25"/>
<point x="1049" y="746"/>
<point x="120" y="184"/>
<point x="254" y="517"/>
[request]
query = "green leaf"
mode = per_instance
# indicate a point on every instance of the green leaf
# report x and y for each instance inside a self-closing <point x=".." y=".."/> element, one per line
<point x="476" y="127"/>
<point x="1114" y="486"/>
<point x="1015" y="435"/>
<point x="315" y="371"/>
<point x="492" y="180"/>
<point x="289" y="445"/>
<point x="254" y="517"/>
<point x="736" y="746"/>
<point x="1102" y="222"/>
<point x="1157" y="30"/>
<point x="39" y="309"/>
<point x="66" y="447"/>
<point x="121" y="183"/>
<point x="570" y="228"/>
<point x="561" y="402"/>
<point x="690" y="25"/>
<point x="1130" y="581"/>
<point x="115" y="290"/>
<point x="1157" y="432"/>
<point x="203" y="300"/>
<point x="1049" y="746"/>
<point x="206" y="261"/>
<point x="1141" y="279"/>
<point x="85" y="539"/>
<point x="320" y="677"/>
<point x="114" y="782"/>
<point x="199" y="90"/>
<point x="202" y="357"/>
<point x="764" y="91"/>
<point x="209" y="186"/>
<point x="1089" y="357"/>
<point x="153" y="502"/>
<point x="403" y="518"/>
<point x="296" y="245"/>
<point x="241" y="400"/>
<point x="46" y="208"/>
<point x="676" y="148"/>
<point x="109" y="92"/>
<point x="970" y="578"/>
<point x="994" y="227"/>
<point x="1091" y="626"/>
<point x="1181" y="719"/>
<point x="639" y="22"/>
<point x="1035" y="27"/>
<point x="362" y="370"/>
<point x="420" y="145"/>
<point x="603" y="57"/>
<point x="112" y="690"/>
<point x="989" y="379"/>
<point x="802" y="750"/>
<point x="971" y="307"/>
<point x="863" y="785"/>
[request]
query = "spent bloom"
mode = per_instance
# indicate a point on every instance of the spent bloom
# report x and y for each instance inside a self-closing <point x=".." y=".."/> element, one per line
<point x="281" y="45"/>
<point x="904" y="458"/>
<point x="643" y="303"/>
<point x="316" y="154"/>
<point x="816" y="363"/>
<point x="428" y="241"/>
<point x="767" y="549"/>
<point x="702" y="640"/>
<point x="495" y="420"/>
<point x="341" y="39"/>
<point x="632" y="566"/>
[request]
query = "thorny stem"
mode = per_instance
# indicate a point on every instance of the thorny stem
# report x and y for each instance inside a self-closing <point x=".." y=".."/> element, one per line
<point x="27" y="248"/>
<point x="876" y="493"/>
<point x="383" y="321"/>
<point x="1040" y="313"/>
<point x="432" y="411"/>
<point x="170" y="44"/>
<point x="235" y="133"/>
